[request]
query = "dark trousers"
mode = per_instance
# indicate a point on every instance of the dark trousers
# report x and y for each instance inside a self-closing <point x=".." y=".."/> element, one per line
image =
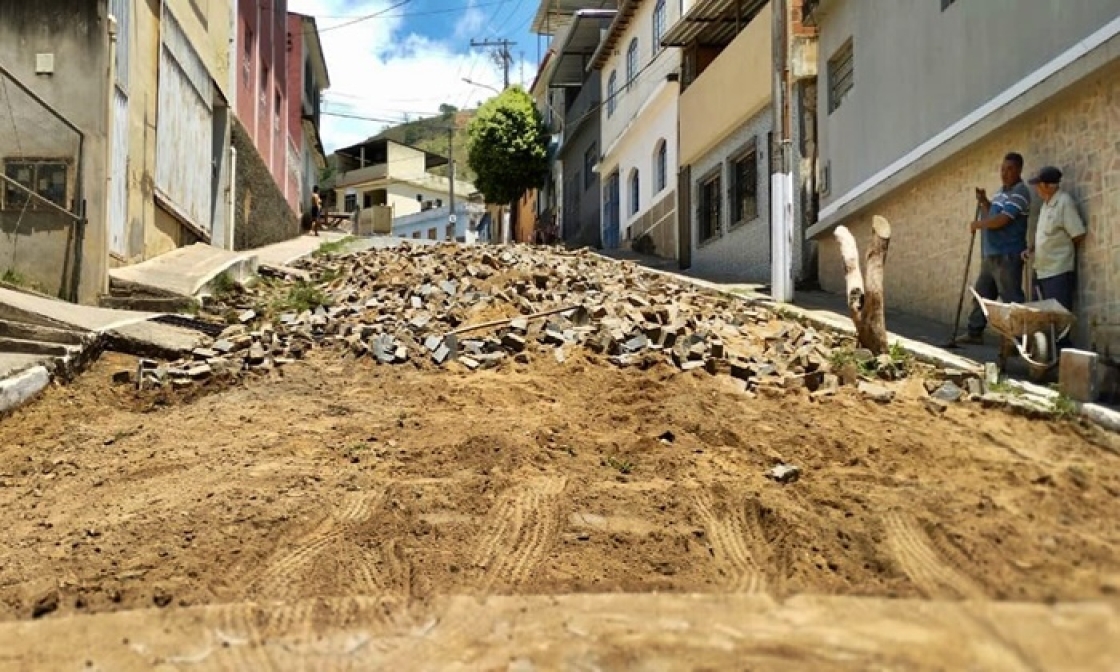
<point x="1001" y="277"/>
<point x="1062" y="289"/>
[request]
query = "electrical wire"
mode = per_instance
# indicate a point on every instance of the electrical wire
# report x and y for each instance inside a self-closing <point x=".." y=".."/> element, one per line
<point x="378" y="14"/>
<point x="427" y="12"/>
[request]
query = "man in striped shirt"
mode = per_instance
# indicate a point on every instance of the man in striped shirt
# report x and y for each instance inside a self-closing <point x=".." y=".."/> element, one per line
<point x="1003" y="242"/>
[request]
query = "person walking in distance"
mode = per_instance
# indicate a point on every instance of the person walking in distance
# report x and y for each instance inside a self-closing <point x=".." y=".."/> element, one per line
<point x="316" y="209"/>
<point x="1057" y="235"/>
<point x="1003" y="242"/>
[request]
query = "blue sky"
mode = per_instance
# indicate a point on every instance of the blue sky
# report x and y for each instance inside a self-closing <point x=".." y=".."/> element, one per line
<point x="407" y="59"/>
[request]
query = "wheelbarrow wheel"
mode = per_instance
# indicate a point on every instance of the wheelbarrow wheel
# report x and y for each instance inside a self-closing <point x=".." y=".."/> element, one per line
<point x="1040" y="348"/>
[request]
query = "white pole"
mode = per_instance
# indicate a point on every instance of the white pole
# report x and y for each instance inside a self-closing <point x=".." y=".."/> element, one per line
<point x="232" y="244"/>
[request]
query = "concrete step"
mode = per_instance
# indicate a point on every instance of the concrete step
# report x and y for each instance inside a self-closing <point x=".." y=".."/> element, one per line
<point x="27" y="347"/>
<point x="33" y="332"/>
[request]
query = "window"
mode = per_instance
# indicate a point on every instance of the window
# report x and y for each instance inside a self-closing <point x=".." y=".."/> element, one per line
<point x="658" y="24"/>
<point x="631" y="62"/>
<point x="263" y="108"/>
<point x="612" y="90"/>
<point x="660" y="167"/>
<point x="709" y="207"/>
<point x="431" y="234"/>
<point x="415" y="234"/>
<point x="276" y="106"/>
<point x="744" y="186"/>
<point x="841" y="75"/>
<point x="350" y="202"/>
<point x="247" y="65"/>
<point x="635" y="191"/>
<point x="47" y="177"/>
<point x="590" y="158"/>
<point x="450" y="232"/>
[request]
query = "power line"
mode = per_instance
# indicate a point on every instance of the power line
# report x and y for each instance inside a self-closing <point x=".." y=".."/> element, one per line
<point x="367" y="17"/>
<point x="428" y="12"/>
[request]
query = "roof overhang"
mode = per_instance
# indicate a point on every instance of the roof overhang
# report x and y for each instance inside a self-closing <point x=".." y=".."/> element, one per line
<point x="315" y="45"/>
<point x="621" y="21"/>
<point x="576" y="46"/>
<point x="712" y="23"/>
<point x="553" y="16"/>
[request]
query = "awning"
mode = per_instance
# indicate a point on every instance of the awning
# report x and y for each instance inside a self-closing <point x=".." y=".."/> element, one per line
<point x="576" y="45"/>
<point x="553" y="16"/>
<point x="622" y="18"/>
<point x="712" y="23"/>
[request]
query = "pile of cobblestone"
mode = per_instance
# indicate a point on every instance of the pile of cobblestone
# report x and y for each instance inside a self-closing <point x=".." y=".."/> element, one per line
<point x="424" y="306"/>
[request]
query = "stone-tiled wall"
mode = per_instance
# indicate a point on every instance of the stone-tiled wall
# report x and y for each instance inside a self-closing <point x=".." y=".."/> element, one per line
<point x="1078" y="131"/>
<point x="262" y="213"/>
<point x="742" y="252"/>
<point x="660" y="222"/>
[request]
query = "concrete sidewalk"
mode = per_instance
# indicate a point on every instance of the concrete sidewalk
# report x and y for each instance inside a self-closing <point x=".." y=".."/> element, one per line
<point x="290" y="251"/>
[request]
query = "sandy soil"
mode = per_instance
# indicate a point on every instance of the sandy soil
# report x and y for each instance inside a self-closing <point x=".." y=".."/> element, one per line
<point x="336" y="477"/>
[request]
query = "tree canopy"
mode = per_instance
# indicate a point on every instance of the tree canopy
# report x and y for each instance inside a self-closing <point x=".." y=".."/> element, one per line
<point x="508" y="146"/>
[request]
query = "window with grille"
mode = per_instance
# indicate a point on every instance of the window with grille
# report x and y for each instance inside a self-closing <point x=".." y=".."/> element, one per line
<point x="48" y="178"/>
<point x="631" y="62"/>
<point x="709" y="207"/>
<point x="450" y="232"/>
<point x="660" y="167"/>
<point x="658" y="24"/>
<point x="841" y="75"/>
<point x="612" y="90"/>
<point x="590" y="158"/>
<point x="744" y="186"/>
<point x="247" y="57"/>
<point x="635" y="192"/>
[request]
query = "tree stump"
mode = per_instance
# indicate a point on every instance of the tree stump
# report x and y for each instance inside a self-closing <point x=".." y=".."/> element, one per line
<point x="865" y="292"/>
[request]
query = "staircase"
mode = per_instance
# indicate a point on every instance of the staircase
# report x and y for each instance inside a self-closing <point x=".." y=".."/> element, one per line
<point x="64" y="351"/>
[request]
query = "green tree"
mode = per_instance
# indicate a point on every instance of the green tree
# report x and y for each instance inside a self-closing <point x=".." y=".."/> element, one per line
<point x="507" y="146"/>
<point x="447" y="110"/>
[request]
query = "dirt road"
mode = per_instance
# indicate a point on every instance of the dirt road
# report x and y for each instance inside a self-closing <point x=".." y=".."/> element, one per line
<point x="336" y="477"/>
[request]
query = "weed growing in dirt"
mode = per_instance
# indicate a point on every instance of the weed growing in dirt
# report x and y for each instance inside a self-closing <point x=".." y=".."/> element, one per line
<point x="1064" y="407"/>
<point x="622" y="466"/>
<point x="223" y="286"/>
<point x="334" y="247"/>
<point x="17" y="279"/>
<point x="300" y="296"/>
<point x="896" y="363"/>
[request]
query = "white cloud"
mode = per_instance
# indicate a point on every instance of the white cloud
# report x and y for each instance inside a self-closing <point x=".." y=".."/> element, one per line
<point x="381" y="71"/>
<point x="470" y="23"/>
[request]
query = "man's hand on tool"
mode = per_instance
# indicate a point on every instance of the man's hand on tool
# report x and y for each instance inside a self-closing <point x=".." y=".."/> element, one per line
<point x="975" y="225"/>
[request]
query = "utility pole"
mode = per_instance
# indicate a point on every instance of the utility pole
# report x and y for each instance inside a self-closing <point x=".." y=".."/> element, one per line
<point x="451" y="219"/>
<point x="502" y="53"/>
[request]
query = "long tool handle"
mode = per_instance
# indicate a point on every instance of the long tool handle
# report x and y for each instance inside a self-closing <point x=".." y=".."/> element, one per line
<point x="964" y="281"/>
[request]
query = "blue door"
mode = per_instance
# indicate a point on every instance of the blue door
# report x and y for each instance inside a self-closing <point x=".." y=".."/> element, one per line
<point x="611" y="214"/>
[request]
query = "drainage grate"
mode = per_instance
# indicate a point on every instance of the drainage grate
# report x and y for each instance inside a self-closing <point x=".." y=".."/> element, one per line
<point x="211" y="329"/>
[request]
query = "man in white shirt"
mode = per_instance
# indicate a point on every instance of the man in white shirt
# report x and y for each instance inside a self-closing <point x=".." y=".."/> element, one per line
<point x="1058" y="233"/>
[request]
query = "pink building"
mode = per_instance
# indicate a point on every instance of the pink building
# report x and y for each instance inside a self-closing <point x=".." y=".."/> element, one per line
<point x="307" y="78"/>
<point x="262" y="89"/>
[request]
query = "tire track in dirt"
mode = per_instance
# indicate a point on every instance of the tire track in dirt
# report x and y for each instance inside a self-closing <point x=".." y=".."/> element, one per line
<point x="523" y="523"/>
<point x="734" y="537"/>
<point x="918" y="557"/>
<point x="280" y="577"/>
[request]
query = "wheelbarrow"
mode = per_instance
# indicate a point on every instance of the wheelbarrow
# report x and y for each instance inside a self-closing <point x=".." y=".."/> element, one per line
<point x="1033" y="329"/>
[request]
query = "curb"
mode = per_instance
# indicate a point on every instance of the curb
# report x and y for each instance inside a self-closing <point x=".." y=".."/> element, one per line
<point x="20" y="388"/>
<point x="1097" y="414"/>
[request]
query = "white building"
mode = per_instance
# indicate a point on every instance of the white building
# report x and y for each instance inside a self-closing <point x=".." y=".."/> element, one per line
<point x="639" y="126"/>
